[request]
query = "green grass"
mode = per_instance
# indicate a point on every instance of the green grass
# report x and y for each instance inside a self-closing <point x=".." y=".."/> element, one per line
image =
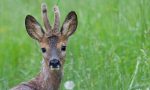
<point x="109" y="51"/>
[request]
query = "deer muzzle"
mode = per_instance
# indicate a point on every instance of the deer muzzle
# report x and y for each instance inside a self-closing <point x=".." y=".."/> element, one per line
<point x="54" y="64"/>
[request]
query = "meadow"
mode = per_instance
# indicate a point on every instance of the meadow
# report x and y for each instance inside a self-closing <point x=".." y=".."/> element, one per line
<point x="109" y="51"/>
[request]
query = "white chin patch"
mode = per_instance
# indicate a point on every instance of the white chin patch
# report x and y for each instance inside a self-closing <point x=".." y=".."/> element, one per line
<point x="55" y="68"/>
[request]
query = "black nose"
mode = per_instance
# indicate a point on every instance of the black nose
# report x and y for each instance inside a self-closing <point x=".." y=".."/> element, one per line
<point x="55" y="63"/>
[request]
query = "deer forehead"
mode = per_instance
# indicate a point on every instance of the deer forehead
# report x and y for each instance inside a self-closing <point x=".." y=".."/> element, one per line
<point x="59" y="41"/>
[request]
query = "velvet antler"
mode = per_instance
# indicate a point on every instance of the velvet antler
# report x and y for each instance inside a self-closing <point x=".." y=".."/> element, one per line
<point x="57" y="19"/>
<point x="45" y="17"/>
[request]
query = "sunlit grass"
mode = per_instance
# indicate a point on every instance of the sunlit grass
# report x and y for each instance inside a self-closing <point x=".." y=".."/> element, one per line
<point x="109" y="51"/>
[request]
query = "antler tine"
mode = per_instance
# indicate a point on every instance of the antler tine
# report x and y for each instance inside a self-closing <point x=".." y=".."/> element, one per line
<point x="57" y="18"/>
<point x="45" y="17"/>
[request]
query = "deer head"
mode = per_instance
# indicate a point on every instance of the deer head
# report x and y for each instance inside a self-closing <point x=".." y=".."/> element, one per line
<point x="53" y="42"/>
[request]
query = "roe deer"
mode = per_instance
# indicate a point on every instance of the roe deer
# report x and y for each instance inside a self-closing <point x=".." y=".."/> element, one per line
<point x="53" y="46"/>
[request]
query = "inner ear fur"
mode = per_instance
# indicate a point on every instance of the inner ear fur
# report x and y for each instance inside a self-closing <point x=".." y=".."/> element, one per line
<point x="70" y="24"/>
<point x="33" y="28"/>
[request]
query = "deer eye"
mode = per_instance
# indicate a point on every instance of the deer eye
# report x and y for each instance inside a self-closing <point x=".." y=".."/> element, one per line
<point x="43" y="50"/>
<point x="63" y="48"/>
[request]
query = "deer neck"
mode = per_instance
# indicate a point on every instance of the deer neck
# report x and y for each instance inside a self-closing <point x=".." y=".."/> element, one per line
<point x="51" y="78"/>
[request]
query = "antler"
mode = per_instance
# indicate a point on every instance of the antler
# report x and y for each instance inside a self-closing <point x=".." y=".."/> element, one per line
<point x="57" y="19"/>
<point x="45" y="17"/>
<point x="46" y="21"/>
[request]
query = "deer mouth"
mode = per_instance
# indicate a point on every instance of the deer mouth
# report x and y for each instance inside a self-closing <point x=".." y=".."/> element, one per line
<point x="54" y="65"/>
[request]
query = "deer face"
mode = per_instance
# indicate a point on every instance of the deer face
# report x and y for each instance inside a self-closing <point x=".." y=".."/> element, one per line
<point x="53" y="42"/>
<point x="54" y="50"/>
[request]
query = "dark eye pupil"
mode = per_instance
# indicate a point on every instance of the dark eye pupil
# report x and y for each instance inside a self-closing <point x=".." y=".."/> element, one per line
<point x="43" y="50"/>
<point x="63" y="48"/>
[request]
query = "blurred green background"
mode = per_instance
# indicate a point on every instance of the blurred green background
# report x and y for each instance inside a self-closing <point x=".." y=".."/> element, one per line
<point x="109" y="51"/>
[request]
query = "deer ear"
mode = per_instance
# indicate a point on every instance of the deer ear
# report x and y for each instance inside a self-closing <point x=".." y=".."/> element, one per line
<point x="70" y="24"/>
<point x="33" y="28"/>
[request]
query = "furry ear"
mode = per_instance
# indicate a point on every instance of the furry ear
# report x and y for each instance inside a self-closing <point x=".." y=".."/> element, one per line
<point x="70" y="24"/>
<point x="33" y="28"/>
